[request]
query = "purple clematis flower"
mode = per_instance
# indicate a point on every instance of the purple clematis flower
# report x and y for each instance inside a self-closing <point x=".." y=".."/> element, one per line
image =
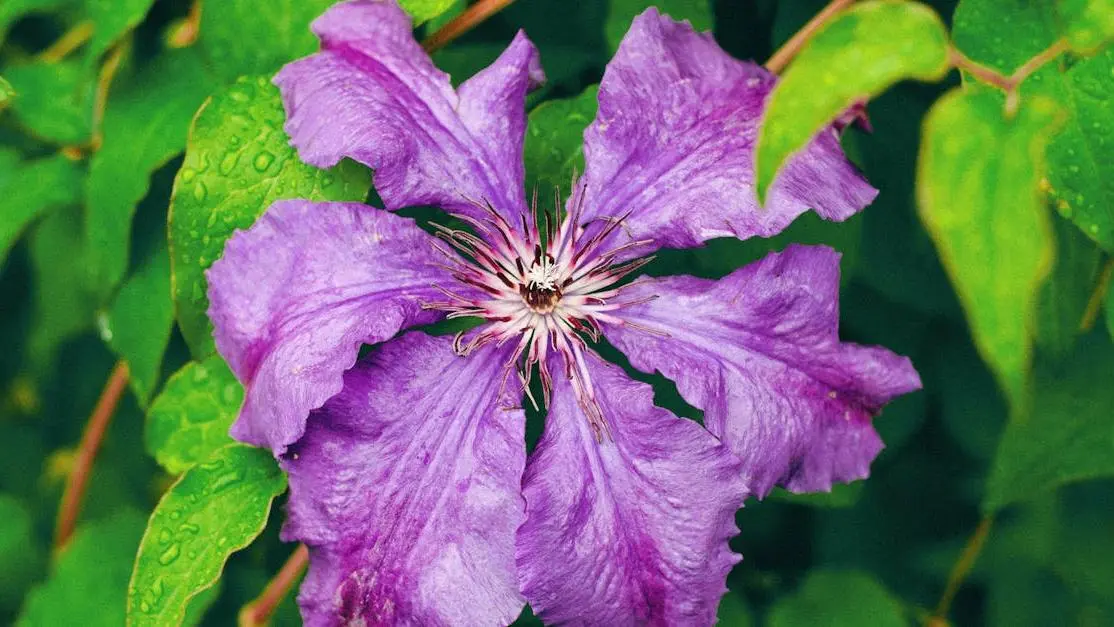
<point x="409" y="478"/>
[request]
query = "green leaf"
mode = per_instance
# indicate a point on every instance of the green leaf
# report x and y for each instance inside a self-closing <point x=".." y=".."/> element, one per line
<point x="241" y="37"/>
<point x="1089" y="24"/>
<point x="11" y="11"/>
<point x="1004" y="34"/>
<point x="189" y="419"/>
<point x="971" y="406"/>
<point x="137" y="326"/>
<point x="21" y="559"/>
<point x="112" y="19"/>
<point x="620" y="13"/>
<point x="424" y="10"/>
<point x="6" y="93"/>
<point x="1068" y="436"/>
<point x="1063" y="298"/>
<point x="89" y="582"/>
<point x="841" y="495"/>
<point x="838" y="599"/>
<point x="55" y="100"/>
<point x="857" y="55"/>
<point x="238" y="162"/>
<point x="1081" y="157"/>
<point x="145" y="125"/>
<point x="978" y="190"/>
<point x="63" y="304"/>
<point x="215" y="508"/>
<point x="554" y="142"/>
<point x="30" y="189"/>
<point x="1108" y="304"/>
<point x="733" y="611"/>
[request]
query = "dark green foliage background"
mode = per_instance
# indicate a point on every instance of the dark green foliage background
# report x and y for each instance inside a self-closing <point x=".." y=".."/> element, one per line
<point x="78" y="292"/>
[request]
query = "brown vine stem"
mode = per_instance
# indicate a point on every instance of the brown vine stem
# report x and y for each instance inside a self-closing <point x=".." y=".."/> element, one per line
<point x="87" y="452"/>
<point x="471" y="17"/>
<point x="258" y="612"/>
<point x="69" y="41"/>
<point x="781" y="58"/>
<point x="960" y="570"/>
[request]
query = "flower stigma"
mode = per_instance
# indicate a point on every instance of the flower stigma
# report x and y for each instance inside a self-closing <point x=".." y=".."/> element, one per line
<point x="546" y="287"/>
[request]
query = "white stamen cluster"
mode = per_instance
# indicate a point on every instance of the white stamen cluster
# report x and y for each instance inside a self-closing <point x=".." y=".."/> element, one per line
<point x="547" y="294"/>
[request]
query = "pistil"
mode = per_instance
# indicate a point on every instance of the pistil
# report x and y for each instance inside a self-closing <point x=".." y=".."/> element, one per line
<point x="546" y="293"/>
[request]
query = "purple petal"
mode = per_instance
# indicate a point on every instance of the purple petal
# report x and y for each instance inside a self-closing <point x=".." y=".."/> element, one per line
<point x="294" y="297"/>
<point x="673" y="144"/>
<point x="374" y="95"/>
<point x="633" y="529"/>
<point x="759" y="352"/>
<point x="406" y="488"/>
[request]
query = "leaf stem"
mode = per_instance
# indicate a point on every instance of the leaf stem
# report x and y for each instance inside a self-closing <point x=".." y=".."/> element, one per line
<point x="466" y="21"/>
<point x="69" y="41"/>
<point x="104" y="83"/>
<point x="186" y="33"/>
<point x="781" y="58"/>
<point x="1011" y="83"/>
<point x="1091" y="313"/>
<point x="962" y="62"/>
<point x="960" y="570"/>
<point x="258" y="612"/>
<point x="87" y="452"/>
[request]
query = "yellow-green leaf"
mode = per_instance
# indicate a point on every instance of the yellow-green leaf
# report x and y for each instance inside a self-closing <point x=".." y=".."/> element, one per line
<point x="978" y="182"/>
<point x="857" y="55"/>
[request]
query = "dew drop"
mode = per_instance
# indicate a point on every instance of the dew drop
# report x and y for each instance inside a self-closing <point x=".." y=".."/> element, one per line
<point x="188" y="174"/>
<point x="228" y="163"/>
<point x="170" y="554"/>
<point x="224" y="481"/>
<point x="190" y="528"/>
<point x="175" y="515"/>
<point x="263" y="160"/>
<point x="164" y="536"/>
<point x="211" y="466"/>
<point x="239" y="95"/>
<point x="145" y="607"/>
<point x="230" y="393"/>
<point x="200" y="192"/>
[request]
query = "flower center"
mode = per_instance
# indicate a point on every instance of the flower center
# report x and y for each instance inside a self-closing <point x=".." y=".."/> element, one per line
<point x="547" y="294"/>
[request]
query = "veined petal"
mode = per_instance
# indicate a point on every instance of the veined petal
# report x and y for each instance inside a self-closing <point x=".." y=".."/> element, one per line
<point x="673" y="144"/>
<point x="294" y="297"/>
<point x="759" y="352"/>
<point x="374" y="95"/>
<point x="632" y="530"/>
<point x="406" y="488"/>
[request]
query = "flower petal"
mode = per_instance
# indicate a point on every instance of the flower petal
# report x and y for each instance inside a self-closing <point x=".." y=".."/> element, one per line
<point x="759" y="352"/>
<point x="406" y="488"/>
<point x="673" y="144"/>
<point x="294" y="297"/>
<point x="633" y="529"/>
<point x="374" y="95"/>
